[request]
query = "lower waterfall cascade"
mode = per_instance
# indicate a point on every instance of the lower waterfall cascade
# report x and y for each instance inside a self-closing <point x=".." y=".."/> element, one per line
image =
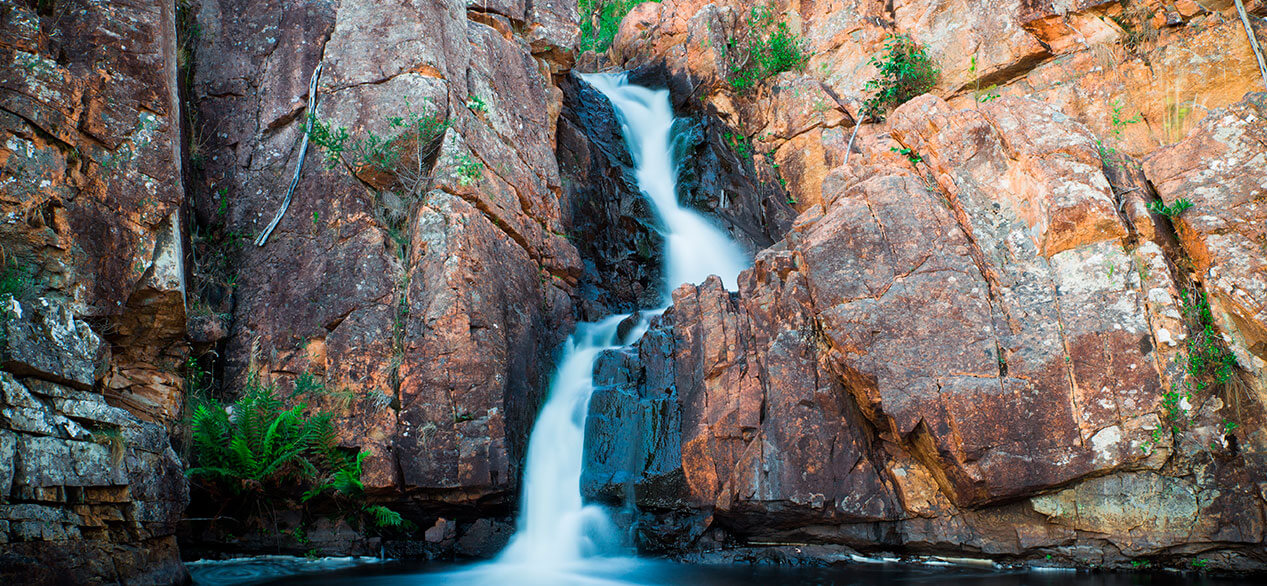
<point x="559" y="536"/>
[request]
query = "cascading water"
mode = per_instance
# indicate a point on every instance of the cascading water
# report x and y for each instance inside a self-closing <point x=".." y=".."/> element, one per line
<point x="695" y="248"/>
<point x="560" y="538"/>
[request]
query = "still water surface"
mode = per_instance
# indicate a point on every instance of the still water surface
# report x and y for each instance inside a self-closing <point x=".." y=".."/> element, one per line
<point x="617" y="572"/>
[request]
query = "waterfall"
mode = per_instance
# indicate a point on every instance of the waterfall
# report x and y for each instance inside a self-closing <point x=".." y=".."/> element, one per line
<point x="694" y="247"/>
<point x="560" y="539"/>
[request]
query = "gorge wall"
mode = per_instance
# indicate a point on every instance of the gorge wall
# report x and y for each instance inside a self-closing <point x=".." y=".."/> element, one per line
<point x="976" y="338"/>
<point x="978" y="347"/>
<point x="94" y="282"/>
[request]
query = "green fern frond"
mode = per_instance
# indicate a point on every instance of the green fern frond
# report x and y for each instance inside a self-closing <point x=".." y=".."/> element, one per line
<point x="384" y="517"/>
<point x="265" y="444"/>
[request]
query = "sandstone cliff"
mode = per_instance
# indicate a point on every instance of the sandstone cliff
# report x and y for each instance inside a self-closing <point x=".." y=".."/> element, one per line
<point x="967" y="330"/>
<point x="976" y="338"/>
<point x="94" y="308"/>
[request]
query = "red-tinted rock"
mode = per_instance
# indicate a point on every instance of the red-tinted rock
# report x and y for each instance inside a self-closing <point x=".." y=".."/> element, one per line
<point x="1222" y="170"/>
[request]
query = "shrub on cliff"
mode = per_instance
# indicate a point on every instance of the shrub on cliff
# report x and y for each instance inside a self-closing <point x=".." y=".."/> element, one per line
<point x="763" y="46"/>
<point x="600" y="20"/>
<point x="906" y="71"/>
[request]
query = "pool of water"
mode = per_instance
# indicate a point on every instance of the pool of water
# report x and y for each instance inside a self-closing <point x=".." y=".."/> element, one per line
<point x="623" y="572"/>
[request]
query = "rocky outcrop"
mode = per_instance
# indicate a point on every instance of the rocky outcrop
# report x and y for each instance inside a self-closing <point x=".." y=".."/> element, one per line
<point x="92" y="185"/>
<point x="432" y="313"/>
<point x="1101" y="63"/>
<point x="89" y="493"/>
<point x="965" y="347"/>
<point x="610" y="222"/>
<point x="975" y="338"/>
<point x="93" y="292"/>
<point x="1220" y="170"/>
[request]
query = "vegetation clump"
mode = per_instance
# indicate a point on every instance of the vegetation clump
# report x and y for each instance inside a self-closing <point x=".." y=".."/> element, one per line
<point x="1109" y="155"/>
<point x="1208" y="363"/>
<point x="1180" y="206"/>
<point x="260" y="445"/>
<point x="405" y="156"/>
<point x="15" y="280"/>
<point x="398" y="166"/>
<point x="266" y="448"/>
<point x="600" y="20"/>
<point x="906" y="71"/>
<point x="764" y="46"/>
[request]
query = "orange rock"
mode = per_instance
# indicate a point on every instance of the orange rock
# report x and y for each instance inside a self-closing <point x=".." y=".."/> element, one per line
<point x="1220" y="168"/>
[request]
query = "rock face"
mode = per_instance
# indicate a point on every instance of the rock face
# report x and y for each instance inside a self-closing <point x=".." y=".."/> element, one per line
<point x="973" y="338"/>
<point x="604" y="207"/>
<point x="93" y="280"/>
<point x="1219" y="168"/>
<point x="90" y="493"/>
<point x="935" y="351"/>
<point x="435" y="311"/>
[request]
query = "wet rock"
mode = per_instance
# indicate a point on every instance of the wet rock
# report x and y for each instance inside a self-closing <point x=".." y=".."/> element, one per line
<point x="608" y="218"/>
<point x="484" y="538"/>
<point x="633" y="430"/>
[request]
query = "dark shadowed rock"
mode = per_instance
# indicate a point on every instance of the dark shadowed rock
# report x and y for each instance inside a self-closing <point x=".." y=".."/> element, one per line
<point x="607" y="217"/>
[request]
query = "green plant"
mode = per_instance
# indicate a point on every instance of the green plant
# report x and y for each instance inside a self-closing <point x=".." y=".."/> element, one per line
<point x="1119" y="123"/>
<point x="739" y="144"/>
<point x="404" y="155"/>
<point x="223" y="207"/>
<point x="600" y="20"/>
<point x="1207" y="358"/>
<point x="1180" y="206"/>
<point x="476" y="104"/>
<point x="468" y="170"/>
<point x="16" y="281"/>
<point x="1109" y="155"/>
<point x="1207" y="363"/>
<point x="910" y="155"/>
<point x="383" y="517"/>
<point x="905" y="71"/>
<point x="989" y="93"/>
<point x="1199" y="563"/>
<point x="266" y="448"/>
<point x="298" y="534"/>
<point x="764" y="45"/>
<point x="397" y="166"/>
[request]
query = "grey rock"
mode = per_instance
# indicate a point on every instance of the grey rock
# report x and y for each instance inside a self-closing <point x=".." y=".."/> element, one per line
<point x="8" y="442"/>
<point x="44" y="339"/>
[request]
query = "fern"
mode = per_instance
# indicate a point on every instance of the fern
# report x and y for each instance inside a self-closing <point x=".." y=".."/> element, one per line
<point x="383" y="517"/>
<point x="264" y="446"/>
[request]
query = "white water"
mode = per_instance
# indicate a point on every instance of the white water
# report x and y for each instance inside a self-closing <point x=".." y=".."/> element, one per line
<point x="695" y="248"/>
<point x="560" y="539"/>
